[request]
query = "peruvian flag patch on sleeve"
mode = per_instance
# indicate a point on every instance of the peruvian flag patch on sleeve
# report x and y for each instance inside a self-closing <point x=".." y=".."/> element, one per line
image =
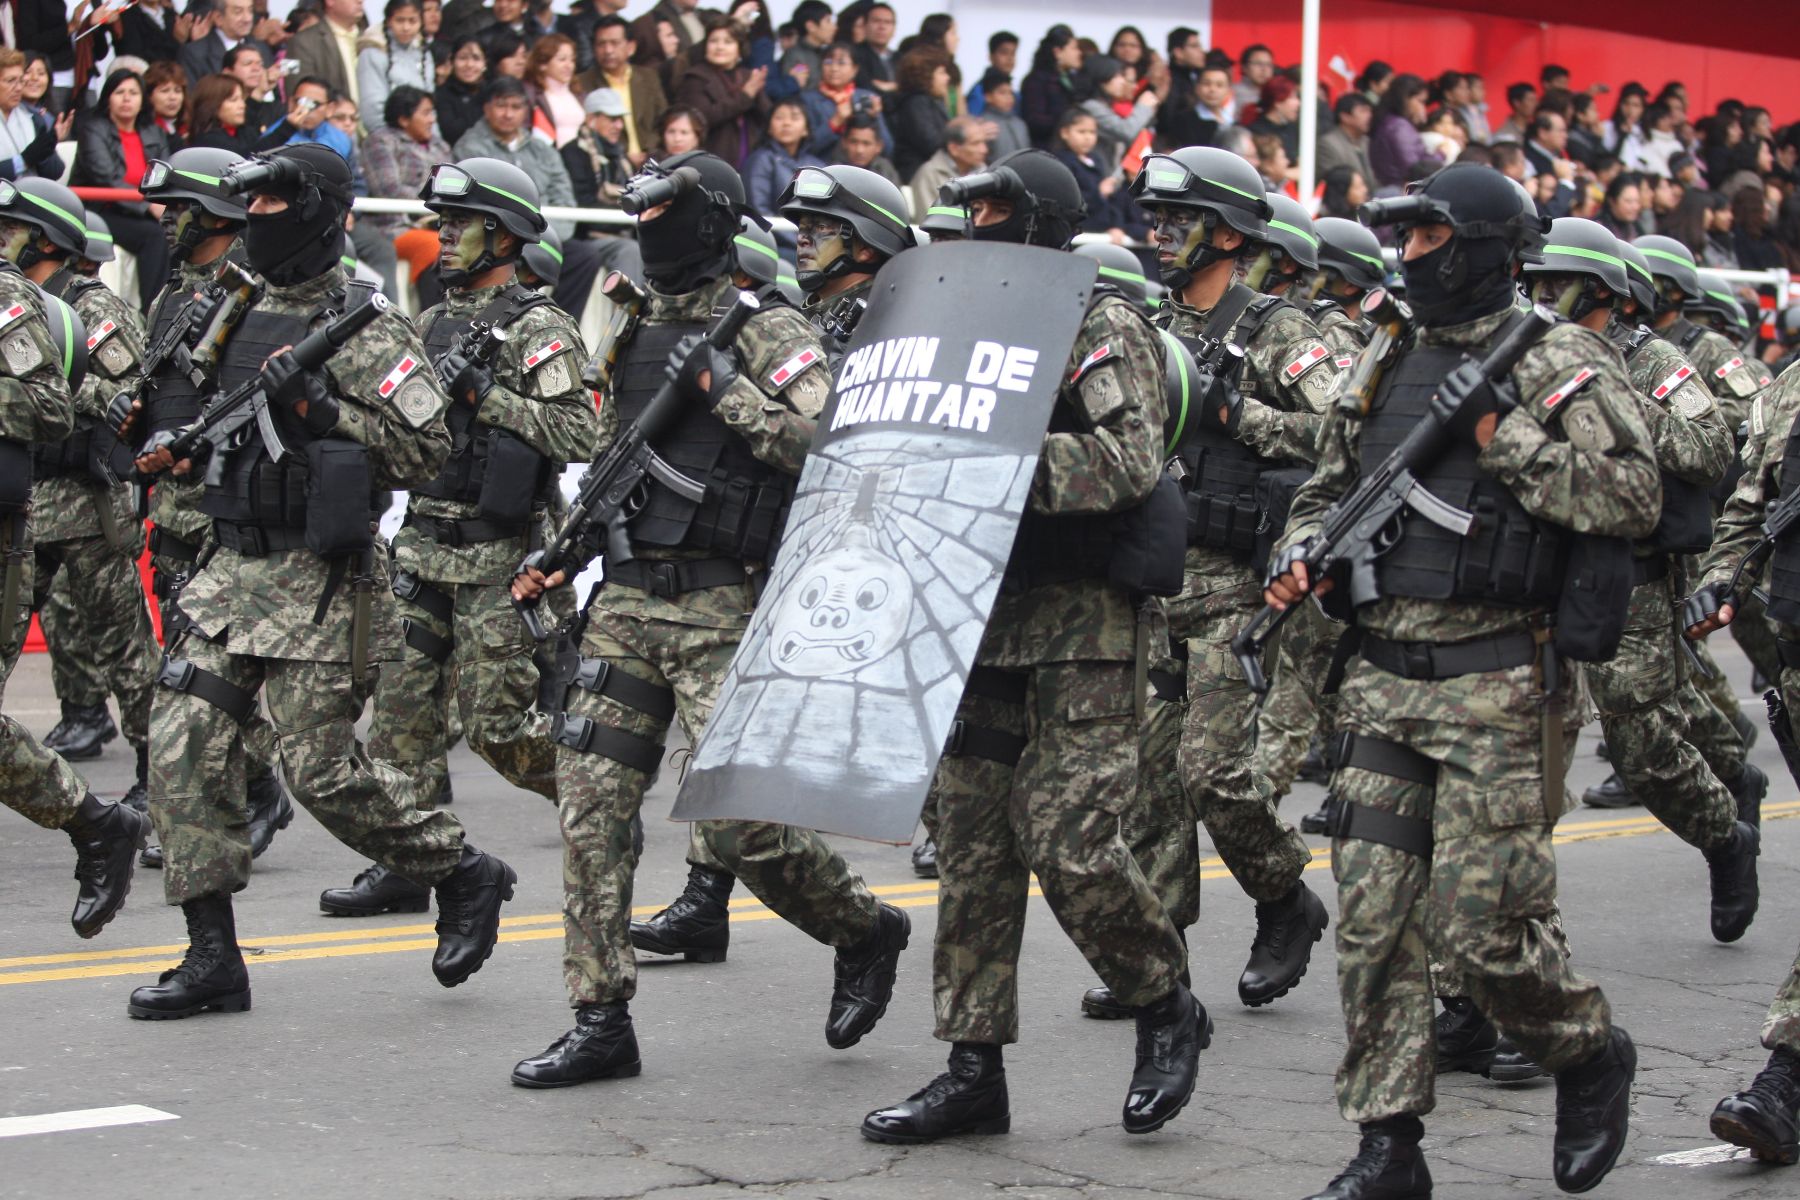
<point x="1729" y="367"/>
<point x="1345" y="363"/>
<point x="11" y="314"/>
<point x="1307" y="360"/>
<point x="1093" y="360"/>
<point x="793" y="366"/>
<point x="1672" y="382"/>
<point x="545" y="352"/>
<point x="405" y="367"/>
<point x="106" y="330"/>
<point x="1569" y="387"/>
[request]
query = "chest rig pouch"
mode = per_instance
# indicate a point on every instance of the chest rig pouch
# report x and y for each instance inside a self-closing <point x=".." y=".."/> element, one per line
<point x="172" y="401"/>
<point x="1508" y="558"/>
<point x="495" y="470"/>
<point x="746" y="499"/>
<point x="1784" y="564"/>
<point x="1236" y="499"/>
<point x="1685" y="524"/>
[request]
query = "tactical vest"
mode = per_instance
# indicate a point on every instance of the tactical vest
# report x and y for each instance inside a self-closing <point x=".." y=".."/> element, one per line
<point x="1510" y="557"/>
<point x="55" y="460"/>
<point x="171" y="401"/>
<point x="1784" y="566"/>
<point x="1685" y="524"/>
<point x="746" y="499"/>
<point x="466" y="468"/>
<point x="1223" y="474"/>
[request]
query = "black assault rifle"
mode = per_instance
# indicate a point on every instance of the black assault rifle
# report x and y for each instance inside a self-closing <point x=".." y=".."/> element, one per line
<point x="478" y="344"/>
<point x="1355" y="527"/>
<point x="229" y="415"/>
<point x="612" y="488"/>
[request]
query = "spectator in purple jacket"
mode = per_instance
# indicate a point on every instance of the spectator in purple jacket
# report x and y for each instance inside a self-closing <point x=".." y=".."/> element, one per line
<point x="1395" y="144"/>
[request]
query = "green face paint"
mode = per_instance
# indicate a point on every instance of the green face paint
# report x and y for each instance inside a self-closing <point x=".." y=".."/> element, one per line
<point x="1262" y="267"/>
<point x="819" y="243"/>
<point x="1558" y="293"/>
<point x="14" y="238"/>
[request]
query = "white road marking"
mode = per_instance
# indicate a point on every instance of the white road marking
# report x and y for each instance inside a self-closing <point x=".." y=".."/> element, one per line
<point x="1706" y="1156"/>
<point x="82" y="1118"/>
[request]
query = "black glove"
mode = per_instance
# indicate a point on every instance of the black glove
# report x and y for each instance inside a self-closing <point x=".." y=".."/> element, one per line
<point x="1704" y="604"/>
<point x="1466" y="396"/>
<point x="1232" y="401"/>
<point x="464" y="378"/>
<point x="694" y="357"/>
<point x="1281" y="562"/>
<point x="287" y="385"/>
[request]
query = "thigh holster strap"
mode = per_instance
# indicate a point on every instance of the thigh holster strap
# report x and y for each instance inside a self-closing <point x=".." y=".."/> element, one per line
<point x="433" y="600"/>
<point x="586" y="736"/>
<point x="1346" y="819"/>
<point x="437" y="649"/>
<point x="1383" y="757"/>
<point x="181" y="675"/>
<point x="977" y="741"/>
<point x="601" y="678"/>
<point x="992" y="683"/>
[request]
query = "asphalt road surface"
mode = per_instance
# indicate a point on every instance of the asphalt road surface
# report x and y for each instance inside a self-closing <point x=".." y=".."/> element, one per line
<point x="357" y="1075"/>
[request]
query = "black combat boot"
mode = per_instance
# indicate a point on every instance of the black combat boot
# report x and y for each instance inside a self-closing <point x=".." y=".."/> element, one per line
<point x="924" y="858"/>
<point x="1593" y="1113"/>
<point x="377" y="890"/>
<point x="1610" y="792"/>
<point x="1602" y="751"/>
<point x="696" y="925"/>
<point x="864" y="978"/>
<point x="601" y="1046"/>
<point x="1388" y="1165"/>
<point x="1285" y="932"/>
<point x="107" y="837"/>
<point x="270" y="809"/>
<point x="1100" y="1004"/>
<point x="151" y="858"/>
<point x="1513" y="1065"/>
<point x="1170" y="1036"/>
<point x="968" y="1098"/>
<point x="211" y="978"/>
<point x="1748" y="789"/>
<point x="1732" y="866"/>
<point x="1766" y="1117"/>
<point x="468" y="924"/>
<point x="84" y="728"/>
<point x="138" y="795"/>
<point x="1465" y="1038"/>
<point x="1316" y="766"/>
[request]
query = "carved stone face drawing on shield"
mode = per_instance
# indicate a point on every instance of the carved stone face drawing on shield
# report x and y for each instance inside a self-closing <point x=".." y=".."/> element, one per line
<point x="852" y="608"/>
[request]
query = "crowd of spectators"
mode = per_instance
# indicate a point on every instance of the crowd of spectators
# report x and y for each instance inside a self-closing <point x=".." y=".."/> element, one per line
<point x="580" y="99"/>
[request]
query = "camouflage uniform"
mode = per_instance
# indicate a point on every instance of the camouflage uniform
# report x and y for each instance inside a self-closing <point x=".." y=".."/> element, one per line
<point x="485" y="653"/>
<point x="1056" y="675"/>
<point x="1781" y="1030"/>
<point x="111" y="637"/>
<point x="249" y="620"/>
<point x="1640" y="691"/>
<point x="683" y="644"/>
<point x="1288" y="379"/>
<point x="35" y="406"/>
<point x="1481" y="902"/>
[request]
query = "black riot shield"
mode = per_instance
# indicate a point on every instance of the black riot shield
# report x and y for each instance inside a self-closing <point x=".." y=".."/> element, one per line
<point x="838" y="702"/>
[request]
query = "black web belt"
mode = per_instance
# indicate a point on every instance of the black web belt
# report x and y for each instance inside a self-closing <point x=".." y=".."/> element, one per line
<point x="166" y="545"/>
<point x="1648" y="570"/>
<point x="980" y="741"/>
<point x="258" y="541"/>
<point x="1347" y="819"/>
<point x="447" y="532"/>
<point x="1447" y="660"/>
<point x="669" y="577"/>
<point x="181" y="675"/>
<point x="437" y="649"/>
<point x="433" y="600"/>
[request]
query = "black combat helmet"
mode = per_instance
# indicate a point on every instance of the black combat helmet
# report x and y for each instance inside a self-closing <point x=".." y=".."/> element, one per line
<point x="488" y="186"/>
<point x="1120" y="268"/>
<point x="690" y="241"/>
<point x="1047" y="208"/>
<point x="1351" y="252"/>
<point x="759" y="257"/>
<point x="1531" y="246"/>
<point x="1290" y="228"/>
<point x="872" y="207"/>
<point x="1639" y="276"/>
<point x="544" y="257"/>
<point x="1579" y="257"/>
<point x="51" y="209"/>
<point x="1219" y="186"/>
<point x="195" y="174"/>
<point x="1717" y="298"/>
<point x="100" y="246"/>
<point x="1673" y="265"/>
<point x="1470" y="275"/>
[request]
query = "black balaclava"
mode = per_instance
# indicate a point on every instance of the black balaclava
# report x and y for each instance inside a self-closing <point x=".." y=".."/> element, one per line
<point x="1469" y="276"/>
<point x="306" y="240"/>
<point x="1047" y="205"/>
<point x="689" y="244"/>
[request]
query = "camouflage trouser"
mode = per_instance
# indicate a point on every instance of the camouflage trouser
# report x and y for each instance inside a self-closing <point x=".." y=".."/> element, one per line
<point x="1755" y="636"/>
<point x="1296" y="710"/>
<point x="1781" y="1031"/>
<point x="1717" y="689"/>
<point x="1056" y="814"/>
<point x="1264" y="854"/>
<point x="1482" y="904"/>
<point x="793" y="871"/>
<point x="1709" y="728"/>
<point x="482" y="656"/>
<point x="34" y="782"/>
<point x="102" y="641"/>
<point x="197" y="775"/>
<point x="1159" y="826"/>
<point x="1638" y="693"/>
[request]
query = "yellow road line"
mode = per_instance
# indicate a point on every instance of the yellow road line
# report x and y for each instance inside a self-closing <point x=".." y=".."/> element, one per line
<point x="394" y="939"/>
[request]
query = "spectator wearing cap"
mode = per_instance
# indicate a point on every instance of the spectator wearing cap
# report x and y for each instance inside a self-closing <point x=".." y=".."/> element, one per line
<point x="502" y="133"/>
<point x="1347" y="144"/>
<point x="1112" y="85"/>
<point x="597" y="159"/>
<point x="964" y="151"/>
<point x="770" y="166"/>
<point x="833" y="98"/>
<point x="860" y="146"/>
<point x="1278" y="114"/>
<point x="1002" y="115"/>
<point x="638" y="88"/>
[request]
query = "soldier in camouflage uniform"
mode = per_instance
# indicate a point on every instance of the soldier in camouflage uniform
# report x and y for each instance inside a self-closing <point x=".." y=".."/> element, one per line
<point x="516" y="419"/>
<point x="655" y="640"/>
<point x="1045" y="759"/>
<point x="36" y="405"/>
<point x="1451" y="778"/>
<point x="847" y="228"/>
<point x="82" y="524"/>
<point x="1208" y="217"/>
<point x="269" y="613"/>
<point x="1766" y="1116"/>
